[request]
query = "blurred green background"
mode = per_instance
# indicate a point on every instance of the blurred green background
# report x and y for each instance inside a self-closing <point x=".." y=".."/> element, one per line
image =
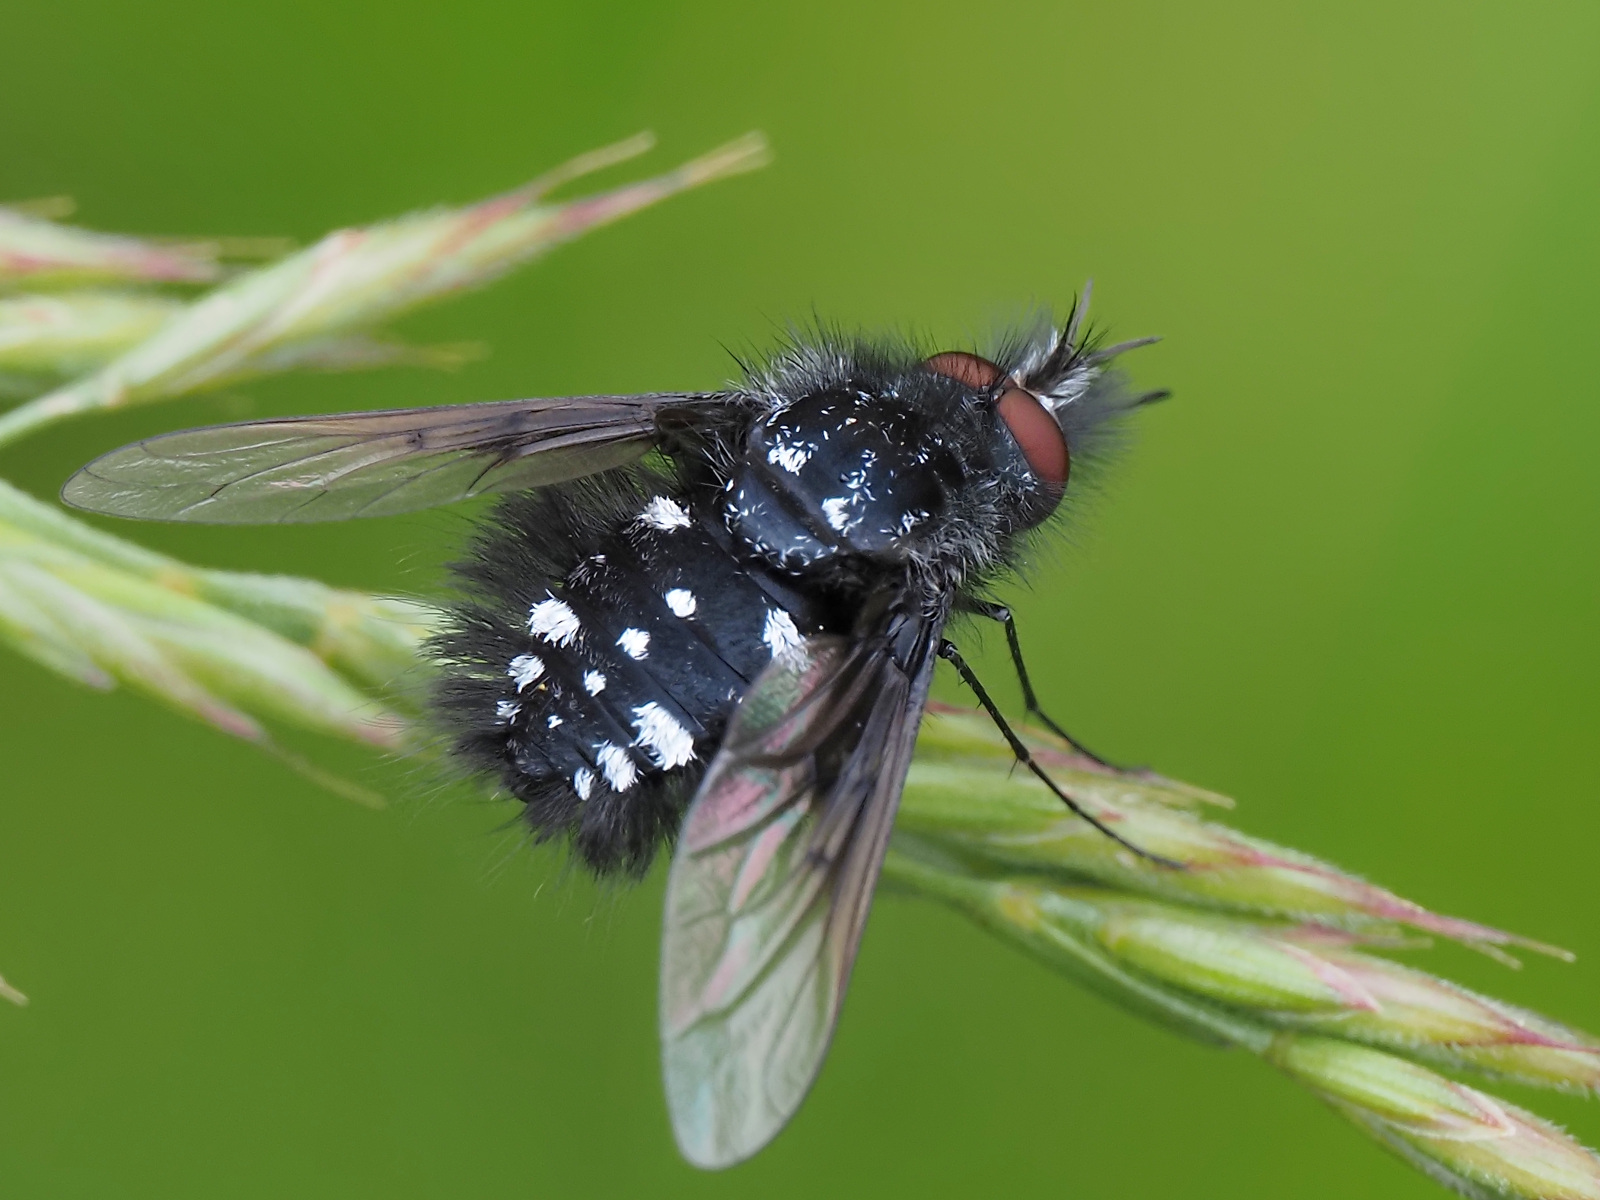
<point x="1348" y="575"/>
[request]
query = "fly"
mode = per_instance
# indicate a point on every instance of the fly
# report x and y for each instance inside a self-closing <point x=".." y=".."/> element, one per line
<point x="706" y="619"/>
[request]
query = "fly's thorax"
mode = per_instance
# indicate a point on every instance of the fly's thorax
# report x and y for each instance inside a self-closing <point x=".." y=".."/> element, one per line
<point x="842" y="476"/>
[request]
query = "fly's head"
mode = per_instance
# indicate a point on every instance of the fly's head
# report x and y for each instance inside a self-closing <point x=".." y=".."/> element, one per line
<point x="1050" y="404"/>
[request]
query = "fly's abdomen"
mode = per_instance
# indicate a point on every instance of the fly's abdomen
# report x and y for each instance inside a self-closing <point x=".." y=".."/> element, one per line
<point x="593" y="667"/>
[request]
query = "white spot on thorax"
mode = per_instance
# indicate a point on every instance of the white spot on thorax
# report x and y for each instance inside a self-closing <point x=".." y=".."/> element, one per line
<point x="669" y="743"/>
<point x="554" y="621"/>
<point x="583" y="782"/>
<point x="664" y="513"/>
<point x="594" y="682"/>
<point x="553" y="721"/>
<point x="616" y="766"/>
<point x="858" y="482"/>
<point x="837" y="510"/>
<point x="525" y="668"/>
<point x="681" y="601"/>
<point x="780" y="634"/>
<point x="790" y="458"/>
<point x="506" y="710"/>
<point x="635" y="643"/>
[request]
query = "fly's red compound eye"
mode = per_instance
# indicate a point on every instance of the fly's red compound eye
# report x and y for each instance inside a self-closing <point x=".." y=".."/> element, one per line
<point x="1043" y="444"/>
<point x="1035" y="430"/>
<point x="977" y="373"/>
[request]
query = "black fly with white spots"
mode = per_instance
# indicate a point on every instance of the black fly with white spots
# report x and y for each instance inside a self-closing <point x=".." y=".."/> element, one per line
<point x="709" y="620"/>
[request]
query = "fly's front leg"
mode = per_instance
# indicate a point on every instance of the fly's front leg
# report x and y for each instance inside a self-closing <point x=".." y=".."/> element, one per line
<point x="1002" y="614"/>
<point x="951" y="655"/>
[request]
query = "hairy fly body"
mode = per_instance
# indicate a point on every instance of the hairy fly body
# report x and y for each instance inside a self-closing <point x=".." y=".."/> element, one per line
<point x="605" y="635"/>
<point x="707" y="620"/>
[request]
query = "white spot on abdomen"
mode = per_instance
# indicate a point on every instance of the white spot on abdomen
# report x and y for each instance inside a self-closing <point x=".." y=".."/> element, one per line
<point x="553" y="721"/>
<point x="664" y="513"/>
<point x="616" y="766"/>
<point x="780" y="634"/>
<point x="635" y="643"/>
<point x="553" y="621"/>
<point x="837" y="510"/>
<point x="668" y="743"/>
<point x="583" y="782"/>
<point x="681" y="601"/>
<point x="524" y="669"/>
<point x="594" y="682"/>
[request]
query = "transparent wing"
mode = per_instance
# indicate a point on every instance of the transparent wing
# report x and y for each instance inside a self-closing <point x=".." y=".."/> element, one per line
<point x="371" y="464"/>
<point x="771" y="882"/>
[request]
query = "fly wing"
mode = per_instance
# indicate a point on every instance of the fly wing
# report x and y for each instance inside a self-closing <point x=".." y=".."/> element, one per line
<point x="771" y="882"/>
<point x="371" y="464"/>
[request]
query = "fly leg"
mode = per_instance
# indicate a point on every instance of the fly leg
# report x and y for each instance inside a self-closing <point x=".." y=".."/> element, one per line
<point x="1002" y="614"/>
<point x="951" y="655"/>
